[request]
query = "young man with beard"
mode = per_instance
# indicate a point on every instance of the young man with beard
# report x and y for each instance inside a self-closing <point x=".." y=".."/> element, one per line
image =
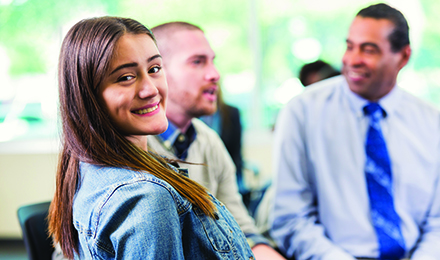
<point x="193" y="85"/>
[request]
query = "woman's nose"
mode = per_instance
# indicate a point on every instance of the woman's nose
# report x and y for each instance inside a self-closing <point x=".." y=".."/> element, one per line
<point x="147" y="88"/>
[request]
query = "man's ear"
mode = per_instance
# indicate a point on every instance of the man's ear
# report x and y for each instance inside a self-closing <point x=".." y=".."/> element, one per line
<point x="405" y="55"/>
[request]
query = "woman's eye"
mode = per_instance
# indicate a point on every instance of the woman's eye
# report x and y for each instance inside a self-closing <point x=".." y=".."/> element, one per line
<point x="155" y="69"/>
<point x="125" y="78"/>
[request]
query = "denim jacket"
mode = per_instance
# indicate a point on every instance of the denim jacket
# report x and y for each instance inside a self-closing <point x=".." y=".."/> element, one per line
<point x="125" y="214"/>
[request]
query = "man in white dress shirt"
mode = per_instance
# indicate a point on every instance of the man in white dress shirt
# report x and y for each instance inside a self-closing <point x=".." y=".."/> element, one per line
<point x="323" y="207"/>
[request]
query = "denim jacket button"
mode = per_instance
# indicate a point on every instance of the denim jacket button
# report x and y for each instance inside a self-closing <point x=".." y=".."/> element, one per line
<point x="251" y="258"/>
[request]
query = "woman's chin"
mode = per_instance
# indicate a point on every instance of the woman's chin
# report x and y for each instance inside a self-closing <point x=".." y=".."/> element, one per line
<point x="159" y="129"/>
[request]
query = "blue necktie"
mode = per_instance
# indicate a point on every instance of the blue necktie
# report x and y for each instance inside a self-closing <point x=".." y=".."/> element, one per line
<point x="379" y="182"/>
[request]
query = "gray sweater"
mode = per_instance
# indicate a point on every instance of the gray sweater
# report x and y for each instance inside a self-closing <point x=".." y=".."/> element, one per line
<point x="218" y="174"/>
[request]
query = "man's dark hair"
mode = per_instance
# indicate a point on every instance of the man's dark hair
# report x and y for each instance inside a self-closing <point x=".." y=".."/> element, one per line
<point x="319" y="67"/>
<point x="399" y="38"/>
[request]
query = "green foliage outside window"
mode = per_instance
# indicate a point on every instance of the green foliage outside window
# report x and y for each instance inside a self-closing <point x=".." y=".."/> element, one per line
<point x="257" y="42"/>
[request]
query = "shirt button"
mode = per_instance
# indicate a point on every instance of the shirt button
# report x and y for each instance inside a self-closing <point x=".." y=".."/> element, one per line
<point x="167" y="144"/>
<point x="251" y="258"/>
<point x="181" y="138"/>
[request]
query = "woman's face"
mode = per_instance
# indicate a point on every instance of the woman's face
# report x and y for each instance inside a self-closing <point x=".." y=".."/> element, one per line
<point x="134" y="89"/>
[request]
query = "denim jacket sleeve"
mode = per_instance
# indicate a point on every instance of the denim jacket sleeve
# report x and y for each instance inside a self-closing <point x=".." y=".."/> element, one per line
<point x="133" y="224"/>
<point x="124" y="214"/>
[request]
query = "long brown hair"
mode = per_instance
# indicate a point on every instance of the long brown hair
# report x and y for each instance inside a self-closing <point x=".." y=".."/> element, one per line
<point x="88" y="135"/>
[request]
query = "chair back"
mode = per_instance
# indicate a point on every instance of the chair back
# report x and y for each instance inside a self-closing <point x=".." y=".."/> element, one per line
<point x="33" y="222"/>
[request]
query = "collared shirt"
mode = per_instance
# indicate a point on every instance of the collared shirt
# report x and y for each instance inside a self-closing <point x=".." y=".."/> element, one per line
<point x="126" y="214"/>
<point x="170" y="135"/>
<point x="215" y="170"/>
<point x="173" y="139"/>
<point x="321" y="206"/>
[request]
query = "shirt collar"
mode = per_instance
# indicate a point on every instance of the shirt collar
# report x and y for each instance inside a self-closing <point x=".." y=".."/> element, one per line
<point x="387" y="102"/>
<point x="170" y="135"/>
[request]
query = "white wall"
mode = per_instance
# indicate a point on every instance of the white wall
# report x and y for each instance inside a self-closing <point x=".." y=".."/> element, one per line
<point x="257" y="148"/>
<point x="27" y="175"/>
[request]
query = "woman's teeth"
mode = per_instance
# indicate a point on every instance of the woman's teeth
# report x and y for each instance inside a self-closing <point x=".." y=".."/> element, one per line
<point x="146" y="110"/>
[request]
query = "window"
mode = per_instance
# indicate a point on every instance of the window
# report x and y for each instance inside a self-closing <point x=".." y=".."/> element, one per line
<point x="260" y="46"/>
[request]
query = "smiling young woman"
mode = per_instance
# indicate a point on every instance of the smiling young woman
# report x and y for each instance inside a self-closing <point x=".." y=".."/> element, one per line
<point x="115" y="199"/>
<point x="134" y="89"/>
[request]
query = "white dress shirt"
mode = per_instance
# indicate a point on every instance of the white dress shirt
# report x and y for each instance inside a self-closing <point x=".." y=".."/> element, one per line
<point x="321" y="207"/>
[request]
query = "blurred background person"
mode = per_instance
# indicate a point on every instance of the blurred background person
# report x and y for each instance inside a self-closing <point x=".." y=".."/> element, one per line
<point x="226" y="122"/>
<point x="192" y="77"/>
<point x="316" y="71"/>
<point x="357" y="156"/>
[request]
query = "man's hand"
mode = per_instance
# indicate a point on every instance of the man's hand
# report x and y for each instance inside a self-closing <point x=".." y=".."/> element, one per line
<point x="265" y="252"/>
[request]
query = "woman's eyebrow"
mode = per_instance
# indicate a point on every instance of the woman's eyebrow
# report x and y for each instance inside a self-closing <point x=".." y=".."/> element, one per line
<point x="154" y="57"/>
<point x="134" y="64"/>
<point x="127" y="65"/>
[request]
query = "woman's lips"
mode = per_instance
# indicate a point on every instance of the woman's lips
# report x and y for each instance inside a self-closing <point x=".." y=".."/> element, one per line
<point x="146" y="109"/>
